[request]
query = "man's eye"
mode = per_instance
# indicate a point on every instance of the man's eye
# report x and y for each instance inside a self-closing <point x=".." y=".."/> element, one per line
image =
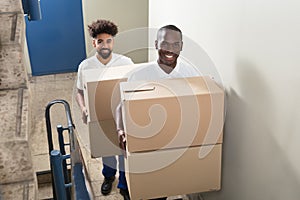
<point x="176" y="44"/>
<point x="163" y="44"/>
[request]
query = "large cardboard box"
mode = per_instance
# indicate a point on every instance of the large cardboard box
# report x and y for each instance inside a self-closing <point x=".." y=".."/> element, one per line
<point x="102" y="95"/>
<point x="172" y="113"/>
<point x="172" y="172"/>
<point x="103" y="139"/>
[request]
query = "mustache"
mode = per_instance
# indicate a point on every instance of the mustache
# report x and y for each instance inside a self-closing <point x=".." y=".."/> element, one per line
<point x="103" y="49"/>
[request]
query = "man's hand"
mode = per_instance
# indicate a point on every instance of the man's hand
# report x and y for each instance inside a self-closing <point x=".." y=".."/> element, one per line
<point x="122" y="141"/>
<point x="84" y="114"/>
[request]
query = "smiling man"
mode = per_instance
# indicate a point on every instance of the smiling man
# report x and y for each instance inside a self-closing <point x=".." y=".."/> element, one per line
<point x="168" y="65"/>
<point x="102" y="33"/>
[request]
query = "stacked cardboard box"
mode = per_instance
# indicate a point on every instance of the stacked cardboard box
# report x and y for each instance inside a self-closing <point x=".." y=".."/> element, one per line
<point x="174" y="136"/>
<point x="102" y="95"/>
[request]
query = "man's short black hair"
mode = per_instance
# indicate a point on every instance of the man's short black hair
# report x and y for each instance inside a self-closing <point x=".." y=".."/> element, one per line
<point x="170" y="27"/>
<point x="102" y="26"/>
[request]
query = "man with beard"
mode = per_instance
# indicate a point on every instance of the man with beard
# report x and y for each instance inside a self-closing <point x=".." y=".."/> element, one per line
<point x="102" y="33"/>
<point x="169" y="65"/>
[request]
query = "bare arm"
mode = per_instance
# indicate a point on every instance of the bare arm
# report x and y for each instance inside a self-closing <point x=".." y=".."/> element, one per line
<point x="80" y="101"/>
<point x="120" y="128"/>
<point x="119" y="119"/>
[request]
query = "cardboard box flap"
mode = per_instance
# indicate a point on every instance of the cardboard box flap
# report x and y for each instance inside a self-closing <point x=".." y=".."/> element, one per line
<point x="108" y="73"/>
<point x="143" y="89"/>
<point x="169" y="88"/>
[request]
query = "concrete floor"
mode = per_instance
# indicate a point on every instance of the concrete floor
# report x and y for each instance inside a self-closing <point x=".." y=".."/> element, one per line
<point x="44" y="89"/>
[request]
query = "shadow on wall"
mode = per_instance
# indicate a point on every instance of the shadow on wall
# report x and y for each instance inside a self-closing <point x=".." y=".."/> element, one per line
<point x="232" y="145"/>
<point x="254" y="164"/>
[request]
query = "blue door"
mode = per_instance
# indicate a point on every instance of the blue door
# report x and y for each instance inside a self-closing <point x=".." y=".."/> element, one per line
<point x="56" y="43"/>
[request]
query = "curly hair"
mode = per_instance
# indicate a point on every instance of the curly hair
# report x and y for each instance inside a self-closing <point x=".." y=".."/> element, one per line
<point x="102" y="26"/>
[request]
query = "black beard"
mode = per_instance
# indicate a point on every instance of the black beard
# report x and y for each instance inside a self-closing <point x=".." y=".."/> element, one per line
<point x="104" y="55"/>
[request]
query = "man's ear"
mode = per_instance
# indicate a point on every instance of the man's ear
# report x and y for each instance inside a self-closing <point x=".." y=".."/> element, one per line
<point x="94" y="42"/>
<point x="181" y="46"/>
<point x="156" y="44"/>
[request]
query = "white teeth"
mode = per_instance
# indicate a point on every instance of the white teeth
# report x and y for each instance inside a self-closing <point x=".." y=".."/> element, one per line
<point x="169" y="56"/>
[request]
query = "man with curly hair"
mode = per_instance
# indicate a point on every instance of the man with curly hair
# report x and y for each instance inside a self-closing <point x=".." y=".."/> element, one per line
<point x="102" y="33"/>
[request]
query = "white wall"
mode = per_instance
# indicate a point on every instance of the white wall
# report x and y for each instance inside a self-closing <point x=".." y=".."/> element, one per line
<point x="128" y="15"/>
<point x="26" y="59"/>
<point x="255" y="47"/>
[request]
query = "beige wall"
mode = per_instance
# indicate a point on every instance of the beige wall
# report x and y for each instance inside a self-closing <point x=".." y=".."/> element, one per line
<point x="128" y="15"/>
<point x="255" y="47"/>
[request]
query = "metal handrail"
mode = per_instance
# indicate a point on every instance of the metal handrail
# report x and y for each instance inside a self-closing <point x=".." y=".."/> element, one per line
<point x="61" y="181"/>
<point x="60" y="130"/>
<point x="69" y="123"/>
<point x="58" y="171"/>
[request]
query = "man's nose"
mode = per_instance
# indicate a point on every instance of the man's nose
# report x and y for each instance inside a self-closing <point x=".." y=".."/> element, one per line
<point x="104" y="44"/>
<point x="169" y="47"/>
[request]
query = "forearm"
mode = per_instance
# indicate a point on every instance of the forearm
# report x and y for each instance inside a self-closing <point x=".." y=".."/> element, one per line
<point x="80" y="99"/>
<point x="120" y="129"/>
<point x="119" y="120"/>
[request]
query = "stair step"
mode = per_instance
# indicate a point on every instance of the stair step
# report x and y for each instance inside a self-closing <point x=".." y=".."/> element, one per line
<point x="45" y="191"/>
<point x="44" y="177"/>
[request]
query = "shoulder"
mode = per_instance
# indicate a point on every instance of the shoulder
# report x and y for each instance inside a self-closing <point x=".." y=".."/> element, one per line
<point x="121" y="59"/>
<point x="91" y="61"/>
<point x="150" y="66"/>
<point x="187" y="69"/>
<point x="146" y="71"/>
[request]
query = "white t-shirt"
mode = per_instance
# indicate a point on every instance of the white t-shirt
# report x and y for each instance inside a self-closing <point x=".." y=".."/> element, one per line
<point x="94" y="63"/>
<point x="152" y="71"/>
